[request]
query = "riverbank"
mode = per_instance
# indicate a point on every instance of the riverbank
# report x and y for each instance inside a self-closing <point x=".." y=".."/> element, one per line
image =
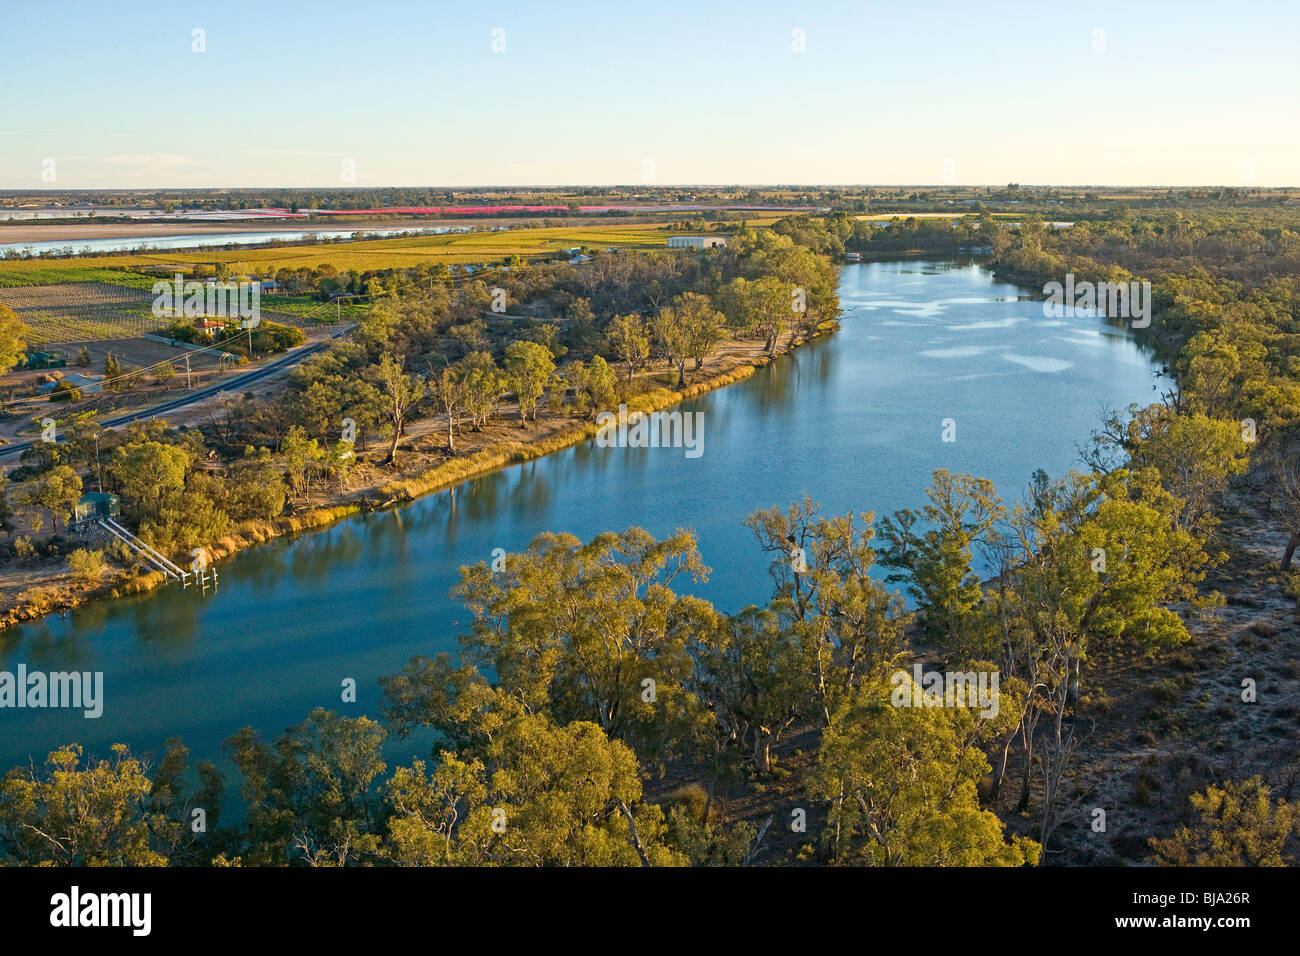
<point x="425" y="467"/>
<point x="853" y="420"/>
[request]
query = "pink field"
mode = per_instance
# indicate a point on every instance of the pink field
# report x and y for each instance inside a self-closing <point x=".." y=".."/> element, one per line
<point x="454" y="210"/>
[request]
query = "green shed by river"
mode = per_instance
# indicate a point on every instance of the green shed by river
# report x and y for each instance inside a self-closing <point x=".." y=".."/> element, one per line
<point x="97" y="504"/>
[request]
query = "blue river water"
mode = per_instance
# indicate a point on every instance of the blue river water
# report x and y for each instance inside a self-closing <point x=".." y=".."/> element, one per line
<point x="856" y="420"/>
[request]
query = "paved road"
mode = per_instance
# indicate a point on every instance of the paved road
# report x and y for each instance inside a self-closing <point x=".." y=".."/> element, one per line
<point x="237" y="384"/>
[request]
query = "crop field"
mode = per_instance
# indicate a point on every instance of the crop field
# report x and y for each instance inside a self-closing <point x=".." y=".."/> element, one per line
<point x="37" y="272"/>
<point x="82" y="311"/>
<point x="69" y="312"/>
<point x="457" y="249"/>
<point x="306" y="311"/>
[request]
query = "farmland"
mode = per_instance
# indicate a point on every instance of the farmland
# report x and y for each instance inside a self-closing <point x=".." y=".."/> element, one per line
<point x="99" y="298"/>
<point x="76" y="312"/>
<point x="82" y="311"/>
<point x="457" y="249"/>
<point x="38" y="272"/>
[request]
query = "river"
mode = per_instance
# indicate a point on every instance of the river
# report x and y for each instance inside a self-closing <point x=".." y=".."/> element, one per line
<point x="855" y="420"/>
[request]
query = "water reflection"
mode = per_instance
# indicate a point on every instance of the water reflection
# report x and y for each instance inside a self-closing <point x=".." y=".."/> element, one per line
<point x="854" y="420"/>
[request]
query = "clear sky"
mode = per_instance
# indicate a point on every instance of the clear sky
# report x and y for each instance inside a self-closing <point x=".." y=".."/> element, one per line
<point x="628" y="91"/>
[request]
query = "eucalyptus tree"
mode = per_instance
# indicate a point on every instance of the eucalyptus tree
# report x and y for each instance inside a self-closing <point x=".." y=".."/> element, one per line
<point x="824" y="593"/>
<point x="528" y="366"/>
<point x="900" y="784"/>
<point x="398" y="394"/>
<point x="594" y="631"/>
<point x="629" y="341"/>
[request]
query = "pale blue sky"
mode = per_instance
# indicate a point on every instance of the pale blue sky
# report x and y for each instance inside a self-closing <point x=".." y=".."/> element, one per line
<point x="413" y="94"/>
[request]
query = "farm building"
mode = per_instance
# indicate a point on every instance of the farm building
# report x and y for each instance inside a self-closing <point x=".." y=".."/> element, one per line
<point x="97" y="503"/>
<point x="46" y="360"/>
<point x="83" y="383"/>
<point x="696" y="242"/>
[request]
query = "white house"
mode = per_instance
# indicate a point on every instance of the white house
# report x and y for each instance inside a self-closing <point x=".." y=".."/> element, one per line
<point x="696" y="242"/>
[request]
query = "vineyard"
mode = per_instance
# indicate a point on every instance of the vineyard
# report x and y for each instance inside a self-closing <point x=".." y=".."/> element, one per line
<point x="23" y="273"/>
<point x="82" y="311"/>
<point x="307" y="311"/>
<point x="74" y="312"/>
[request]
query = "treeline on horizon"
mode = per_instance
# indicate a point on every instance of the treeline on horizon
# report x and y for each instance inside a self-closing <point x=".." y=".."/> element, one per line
<point x="568" y="756"/>
<point x="1092" y="201"/>
<point x="365" y="198"/>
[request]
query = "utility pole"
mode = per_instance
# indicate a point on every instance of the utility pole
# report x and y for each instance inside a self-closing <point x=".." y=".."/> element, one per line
<point x="99" y="475"/>
<point x="187" y="371"/>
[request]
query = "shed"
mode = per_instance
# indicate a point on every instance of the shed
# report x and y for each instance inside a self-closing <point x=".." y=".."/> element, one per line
<point x="83" y="383"/>
<point x="41" y="359"/>
<point x="96" y="504"/>
<point x="696" y="242"/>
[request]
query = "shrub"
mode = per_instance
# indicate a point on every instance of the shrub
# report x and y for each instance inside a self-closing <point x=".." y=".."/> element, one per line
<point x="272" y="337"/>
<point x="87" y="566"/>
<point x="693" y="798"/>
<point x="1144" y="790"/>
<point x="1166" y="691"/>
<point x="182" y="331"/>
<point x="36" y="600"/>
<point x="65" y="392"/>
<point x="1237" y="824"/>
